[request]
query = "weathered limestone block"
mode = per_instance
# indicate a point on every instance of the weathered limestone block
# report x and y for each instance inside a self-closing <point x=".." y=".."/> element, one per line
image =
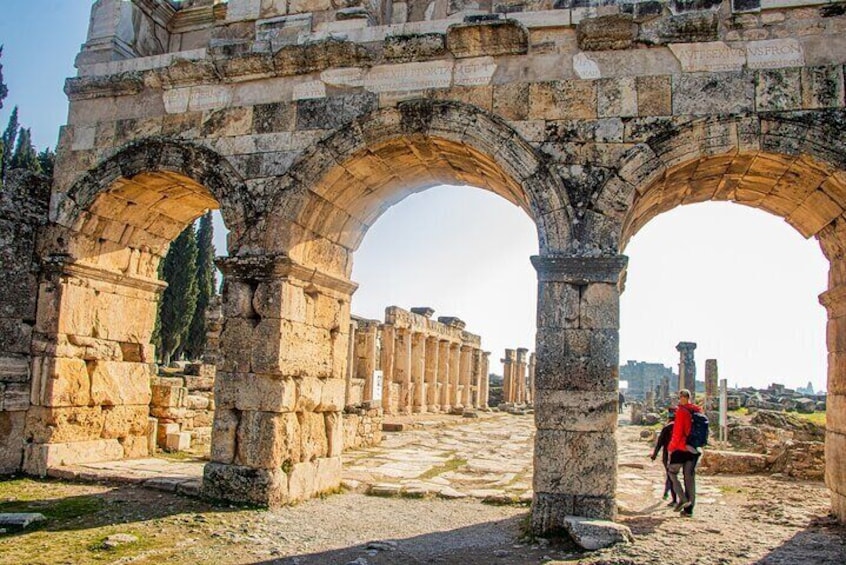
<point x="236" y="341"/>
<point x="57" y="425"/>
<point x="272" y="353"/>
<point x="599" y="307"/>
<point x="712" y="93"/>
<point x="312" y="433"/>
<point x="487" y="38"/>
<point x="40" y="457"/>
<point x="280" y="299"/>
<point x="135" y="446"/>
<point x="124" y="421"/>
<point x="682" y="28"/>
<point x="835" y="462"/>
<point x="224" y="436"/>
<point x="310" y="478"/>
<point x="566" y="299"/>
<point x="417" y="47"/>
<point x="567" y="410"/>
<point x="168" y="396"/>
<point x="822" y="87"/>
<point x="237" y="300"/>
<point x="575" y="463"/>
<point x="778" y="89"/>
<point x="12" y="426"/>
<point x="617" y="97"/>
<point x="248" y="391"/>
<point x="334" y="112"/>
<point x="114" y="383"/>
<point x="654" y="96"/>
<point x="335" y="433"/>
<point x="267" y="487"/>
<point x="14" y="369"/>
<point x="15" y="335"/>
<point x="616" y="31"/>
<point x="266" y="440"/>
<point x="597" y="534"/>
<point x="562" y="100"/>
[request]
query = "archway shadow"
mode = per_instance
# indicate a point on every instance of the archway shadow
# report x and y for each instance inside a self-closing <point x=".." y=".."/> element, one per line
<point x="490" y="542"/>
<point x="822" y="542"/>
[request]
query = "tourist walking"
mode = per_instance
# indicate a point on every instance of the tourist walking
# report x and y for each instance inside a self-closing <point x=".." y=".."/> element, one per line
<point x="684" y="457"/>
<point x="662" y="445"/>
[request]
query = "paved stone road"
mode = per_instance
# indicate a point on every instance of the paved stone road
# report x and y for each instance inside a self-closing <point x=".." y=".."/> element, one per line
<point x="489" y="458"/>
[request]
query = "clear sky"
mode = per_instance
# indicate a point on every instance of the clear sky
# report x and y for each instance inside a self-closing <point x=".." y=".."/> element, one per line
<point x="739" y="282"/>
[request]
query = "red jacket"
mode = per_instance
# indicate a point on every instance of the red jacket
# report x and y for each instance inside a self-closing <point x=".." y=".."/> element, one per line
<point x="681" y="429"/>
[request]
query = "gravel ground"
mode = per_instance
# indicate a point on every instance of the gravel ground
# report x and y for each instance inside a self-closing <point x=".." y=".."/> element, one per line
<point x="760" y="519"/>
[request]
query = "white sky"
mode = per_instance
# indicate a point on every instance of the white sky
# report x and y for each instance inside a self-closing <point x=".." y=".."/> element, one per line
<point x="740" y="283"/>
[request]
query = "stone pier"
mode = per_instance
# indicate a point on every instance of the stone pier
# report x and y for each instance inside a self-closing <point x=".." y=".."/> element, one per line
<point x="687" y="367"/>
<point x="509" y="370"/>
<point x="712" y="391"/>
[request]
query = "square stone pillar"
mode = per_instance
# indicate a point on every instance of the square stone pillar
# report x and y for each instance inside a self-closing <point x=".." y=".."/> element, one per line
<point x="834" y="301"/>
<point x="387" y="362"/>
<point x="466" y="368"/>
<point x="349" y="374"/>
<point x="531" y="398"/>
<point x="366" y="348"/>
<point x="476" y="378"/>
<point x="454" y="374"/>
<point x="485" y="384"/>
<point x="443" y="375"/>
<point x="712" y="392"/>
<point x="418" y="372"/>
<point x="402" y="368"/>
<point x="277" y="434"/>
<point x="432" y="393"/>
<point x="91" y="367"/>
<point x="576" y="380"/>
<point x="687" y="367"/>
<point x="520" y="379"/>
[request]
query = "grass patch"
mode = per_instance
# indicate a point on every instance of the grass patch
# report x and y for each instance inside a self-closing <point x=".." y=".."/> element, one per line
<point x="729" y="489"/>
<point x="816" y="418"/>
<point x="449" y="465"/>
<point x="742" y="411"/>
<point x="181" y="456"/>
<point x="57" y="509"/>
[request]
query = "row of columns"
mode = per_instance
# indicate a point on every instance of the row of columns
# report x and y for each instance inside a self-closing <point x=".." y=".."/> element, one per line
<point x="423" y="370"/>
<point x="518" y="376"/>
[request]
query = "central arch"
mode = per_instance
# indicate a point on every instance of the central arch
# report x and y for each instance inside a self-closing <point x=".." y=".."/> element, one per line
<point x="280" y="387"/>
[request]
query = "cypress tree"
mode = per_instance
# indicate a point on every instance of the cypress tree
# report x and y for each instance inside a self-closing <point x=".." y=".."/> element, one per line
<point x="47" y="160"/>
<point x="25" y="156"/>
<point x="4" y="91"/>
<point x="206" y="285"/>
<point x="10" y="134"/>
<point x="180" y="297"/>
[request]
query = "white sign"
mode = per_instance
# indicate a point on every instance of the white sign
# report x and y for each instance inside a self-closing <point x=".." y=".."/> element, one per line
<point x="474" y="72"/>
<point x="585" y="67"/>
<point x="377" y="386"/>
<point x="774" y="54"/>
<point x="310" y="89"/>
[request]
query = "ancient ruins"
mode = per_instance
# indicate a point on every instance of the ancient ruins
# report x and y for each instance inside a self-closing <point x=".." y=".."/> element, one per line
<point x="304" y="120"/>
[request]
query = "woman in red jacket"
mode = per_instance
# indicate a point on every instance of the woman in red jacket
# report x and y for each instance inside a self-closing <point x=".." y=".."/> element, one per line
<point x="683" y="457"/>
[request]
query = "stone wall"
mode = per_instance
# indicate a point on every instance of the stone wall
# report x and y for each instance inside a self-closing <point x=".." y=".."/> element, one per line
<point x="23" y="209"/>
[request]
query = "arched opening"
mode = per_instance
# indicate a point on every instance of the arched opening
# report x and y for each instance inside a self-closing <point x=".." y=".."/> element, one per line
<point x="282" y="382"/>
<point x="99" y="296"/>
<point x="782" y="169"/>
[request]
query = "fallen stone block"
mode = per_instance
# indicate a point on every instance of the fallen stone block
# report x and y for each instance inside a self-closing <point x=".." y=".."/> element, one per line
<point x="180" y="441"/>
<point x="17" y="521"/>
<point x="593" y="534"/>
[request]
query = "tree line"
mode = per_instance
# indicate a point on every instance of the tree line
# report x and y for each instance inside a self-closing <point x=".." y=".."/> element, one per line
<point x="188" y="267"/>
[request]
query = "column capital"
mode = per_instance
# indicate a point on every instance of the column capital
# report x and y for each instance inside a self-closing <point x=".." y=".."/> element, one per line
<point x="269" y="267"/>
<point x="685" y="346"/>
<point x="834" y="300"/>
<point x="579" y="270"/>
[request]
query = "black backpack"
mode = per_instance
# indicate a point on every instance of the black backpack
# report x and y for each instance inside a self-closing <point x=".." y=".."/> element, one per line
<point x="698" y="429"/>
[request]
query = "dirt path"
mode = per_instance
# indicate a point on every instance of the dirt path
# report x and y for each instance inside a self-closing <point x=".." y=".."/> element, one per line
<point x="738" y="520"/>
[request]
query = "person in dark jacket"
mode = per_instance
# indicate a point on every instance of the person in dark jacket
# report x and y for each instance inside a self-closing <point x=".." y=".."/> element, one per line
<point x="684" y="457"/>
<point x="662" y="445"/>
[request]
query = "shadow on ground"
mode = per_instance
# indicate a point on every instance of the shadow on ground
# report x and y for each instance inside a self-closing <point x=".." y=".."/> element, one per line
<point x="490" y="542"/>
<point x="823" y="542"/>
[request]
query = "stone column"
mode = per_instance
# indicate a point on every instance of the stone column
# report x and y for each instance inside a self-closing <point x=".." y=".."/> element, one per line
<point x="687" y="367"/>
<point x="454" y="356"/>
<point x="484" y="393"/>
<point x="508" y="376"/>
<point x="365" y="356"/>
<point x="532" y="363"/>
<point x="466" y="367"/>
<point x="834" y="301"/>
<point x="277" y="434"/>
<point x="418" y="371"/>
<point x="350" y="372"/>
<point x="387" y="362"/>
<point x="432" y="393"/>
<point x="712" y="391"/>
<point x="444" y="375"/>
<point x="402" y="368"/>
<point x="521" y="375"/>
<point x="577" y="374"/>
<point x="476" y="378"/>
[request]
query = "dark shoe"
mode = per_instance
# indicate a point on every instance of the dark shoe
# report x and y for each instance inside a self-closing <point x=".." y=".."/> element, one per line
<point x="671" y="504"/>
<point x="687" y="512"/>
<point x="680" y="505"/>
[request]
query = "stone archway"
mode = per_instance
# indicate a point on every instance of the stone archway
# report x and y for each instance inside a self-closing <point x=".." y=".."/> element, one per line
<point x="789" y="166"/>
<point x="99" y="292"/>
<point x="280" y="386"/>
